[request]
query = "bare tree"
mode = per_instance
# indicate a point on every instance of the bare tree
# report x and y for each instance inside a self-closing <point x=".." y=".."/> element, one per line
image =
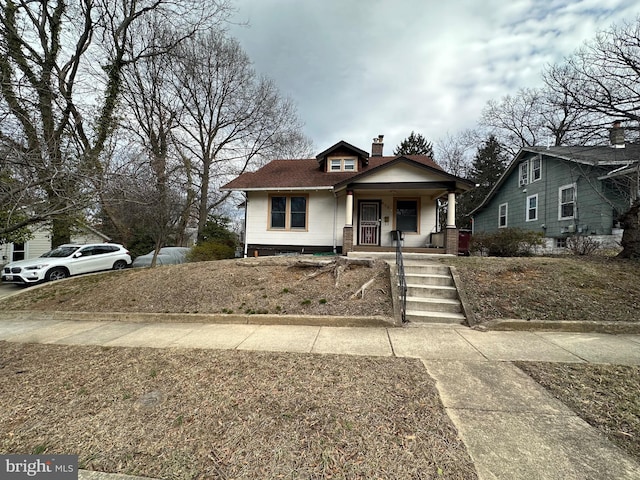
<point x="152" y="111"/>
<point x="602" y="76"/>
<point x="232" y="121"/>
<point x="61" y="72"/>
<point x="455" y="152"/>
<point x="134" y="206"/>
<point x="542" y="116"/>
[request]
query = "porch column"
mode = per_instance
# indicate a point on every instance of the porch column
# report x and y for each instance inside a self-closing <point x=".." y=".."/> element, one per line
<point x="348" y="214"/>
<point x="451" y="210"/>
<point x="451" y="235"/>
<point x="347" y="231"/>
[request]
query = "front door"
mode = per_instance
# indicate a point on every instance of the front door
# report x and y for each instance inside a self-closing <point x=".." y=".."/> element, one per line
<point x="369" y="223"/>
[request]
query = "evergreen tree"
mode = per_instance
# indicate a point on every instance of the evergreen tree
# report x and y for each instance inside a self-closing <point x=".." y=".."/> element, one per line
<point x="488" y="165"/>
<point x="414" y="144"/>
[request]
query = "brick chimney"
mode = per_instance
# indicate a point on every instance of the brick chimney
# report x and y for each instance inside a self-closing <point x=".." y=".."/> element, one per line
<point x="377" y="146"/>
<point x="616" y="135"/>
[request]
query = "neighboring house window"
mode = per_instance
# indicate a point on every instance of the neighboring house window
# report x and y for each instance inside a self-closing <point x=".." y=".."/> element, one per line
<point x="561" y="242"/>
<point x="18" y="252"/>
<point x="407" y="215"/>
<point x="524" y="173"/>
<point x="536" y="169"/>
<point x="530" y="171"/>
<point x="532" y="208"/>
<point x="502" y="215"/>
<point x="288" y="212"/>
<point x="566" y="202"/>
<point x="342" y="164"/>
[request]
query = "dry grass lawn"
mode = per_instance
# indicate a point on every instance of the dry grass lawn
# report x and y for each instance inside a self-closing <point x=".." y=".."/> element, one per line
<point x="552" y="288"/>
<point x="196" y="414"/>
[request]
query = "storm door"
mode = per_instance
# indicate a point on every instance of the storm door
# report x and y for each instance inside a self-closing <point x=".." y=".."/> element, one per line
<point x="369" y="220"/>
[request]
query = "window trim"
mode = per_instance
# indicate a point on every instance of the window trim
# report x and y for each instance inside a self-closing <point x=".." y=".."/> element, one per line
<point x="526" y="171"/>
<point x="506" y="215"/>
<point x="418" y="213"/>
<point x="287" y="214"/>
<point x="343" y="161"/>
<point x="528" y="209"/>
<point x="574" y="201"/>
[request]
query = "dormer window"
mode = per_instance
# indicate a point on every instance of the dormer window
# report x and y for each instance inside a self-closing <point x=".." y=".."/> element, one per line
<point x="347" y="164"/>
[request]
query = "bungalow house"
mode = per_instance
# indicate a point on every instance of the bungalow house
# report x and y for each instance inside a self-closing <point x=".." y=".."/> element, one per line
<point x="40" y="243"/>
<point x="564" y="191"/>
<point x="345" y="200"/>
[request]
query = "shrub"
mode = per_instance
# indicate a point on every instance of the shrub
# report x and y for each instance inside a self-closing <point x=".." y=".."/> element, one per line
<point x="507" y="242"/>
<point x="206" y="251"/>
<point x="582" y="245"/>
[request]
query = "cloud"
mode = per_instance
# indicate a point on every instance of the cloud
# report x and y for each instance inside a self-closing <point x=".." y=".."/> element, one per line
<point x="360" y="68"/>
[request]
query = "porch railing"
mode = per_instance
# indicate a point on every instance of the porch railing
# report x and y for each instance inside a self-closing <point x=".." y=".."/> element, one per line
<point x="402" y="281"/>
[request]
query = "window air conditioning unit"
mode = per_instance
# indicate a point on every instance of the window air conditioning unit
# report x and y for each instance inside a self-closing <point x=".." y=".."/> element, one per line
<point x="571" y="228"/>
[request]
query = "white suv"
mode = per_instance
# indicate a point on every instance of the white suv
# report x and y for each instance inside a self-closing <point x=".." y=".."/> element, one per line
<point x="67" y="260"/>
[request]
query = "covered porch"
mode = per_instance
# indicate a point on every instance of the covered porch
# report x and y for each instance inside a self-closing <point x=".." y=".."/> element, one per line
<point x="377" y="216"/>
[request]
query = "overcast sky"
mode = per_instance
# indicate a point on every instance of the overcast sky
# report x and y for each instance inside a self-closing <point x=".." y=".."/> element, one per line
<point x="359" y="68"/>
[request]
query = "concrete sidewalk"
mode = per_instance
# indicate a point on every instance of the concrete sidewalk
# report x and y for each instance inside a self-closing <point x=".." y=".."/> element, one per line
<point x="512" y="427"/>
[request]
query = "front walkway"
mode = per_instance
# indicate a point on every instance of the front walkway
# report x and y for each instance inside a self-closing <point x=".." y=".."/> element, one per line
<point x="512" y="427"/>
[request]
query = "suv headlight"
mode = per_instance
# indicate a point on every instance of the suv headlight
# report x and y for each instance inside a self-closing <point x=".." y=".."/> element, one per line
<point x="40" y="266"/>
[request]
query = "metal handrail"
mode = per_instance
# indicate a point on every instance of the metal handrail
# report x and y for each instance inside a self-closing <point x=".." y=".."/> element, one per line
<point x="402" y="281"/>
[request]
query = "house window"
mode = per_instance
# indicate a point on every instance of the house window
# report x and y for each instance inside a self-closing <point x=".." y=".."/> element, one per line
<point x="502" y="215"/>
<point x="342" y="164"/>
<point x="530" y="171"/>
<point x="524" y="173"/>
<point x="566" y="202"/>
<point x="407" y="215"/>
<point x="536" y="169"/>
<point x="278" y="212"/>
<point x="288" y="212"/>
<point x="532" y="208"/>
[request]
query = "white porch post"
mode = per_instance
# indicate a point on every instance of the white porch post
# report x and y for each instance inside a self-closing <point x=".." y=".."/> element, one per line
<point x="348" y="214"/>
<point x="451" y="210"/>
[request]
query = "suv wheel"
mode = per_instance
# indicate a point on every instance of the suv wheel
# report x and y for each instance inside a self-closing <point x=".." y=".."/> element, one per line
<point x="56" y="274"/>
<point x="120" y="265"/>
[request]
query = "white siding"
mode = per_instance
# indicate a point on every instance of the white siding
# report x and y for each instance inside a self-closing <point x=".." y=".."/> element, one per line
<point x="39" y="244"/>
<point x="402" y="173"/>
<point x="320" y="221"/>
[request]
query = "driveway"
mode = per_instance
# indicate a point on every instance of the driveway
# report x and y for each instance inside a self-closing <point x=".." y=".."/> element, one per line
<point x="7" y="289"/>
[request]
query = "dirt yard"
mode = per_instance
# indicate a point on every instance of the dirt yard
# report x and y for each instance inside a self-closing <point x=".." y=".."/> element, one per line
<point x="276" y="285"/>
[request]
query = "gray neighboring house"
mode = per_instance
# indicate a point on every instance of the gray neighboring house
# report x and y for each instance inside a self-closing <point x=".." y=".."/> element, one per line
<point x="564" y="191"/>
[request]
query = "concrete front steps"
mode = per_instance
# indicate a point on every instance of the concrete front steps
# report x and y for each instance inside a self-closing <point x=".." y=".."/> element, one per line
<point x="432" y="297"/>
<point x="431" y="294"/>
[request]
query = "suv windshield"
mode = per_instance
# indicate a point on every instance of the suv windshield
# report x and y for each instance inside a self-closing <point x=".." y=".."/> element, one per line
<point x="60" y="252"/>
